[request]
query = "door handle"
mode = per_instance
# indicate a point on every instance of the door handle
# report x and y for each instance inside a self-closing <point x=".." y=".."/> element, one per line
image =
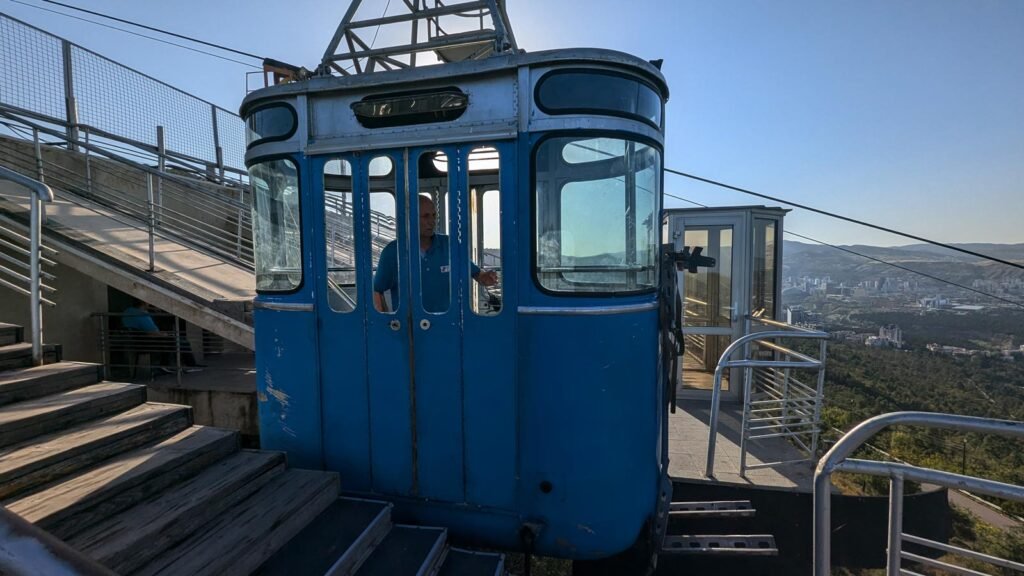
<point x="425" y="324"/>
<point x="395" y="325"/>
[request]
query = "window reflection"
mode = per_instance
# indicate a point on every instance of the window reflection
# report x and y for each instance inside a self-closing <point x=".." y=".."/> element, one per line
<point x="340" y="236"/>
<point x="597" y="215"/>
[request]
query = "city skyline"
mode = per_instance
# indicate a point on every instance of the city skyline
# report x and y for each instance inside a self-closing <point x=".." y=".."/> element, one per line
<point x="902" y="114"/>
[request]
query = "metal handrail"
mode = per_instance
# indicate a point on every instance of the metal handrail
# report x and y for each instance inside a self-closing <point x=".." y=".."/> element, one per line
<point x="39" y="193"/>
<point x="155" y="218"/>
<point x="725" y="362"/>
<point x="838" y="460"/>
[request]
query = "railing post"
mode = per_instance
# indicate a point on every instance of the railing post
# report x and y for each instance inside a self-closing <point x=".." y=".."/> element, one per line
<point x="238" y="231"/>
<point x="150" y="220"/>
<point x="88" y="165"/>
<point x="39" y="155"/>
<point x="35" y="214"/>
<point x="177" y="351"/>
<point x="820" y="397"/>
<point x="161" y="164"/>
<point x="822" y="522"/>
<point x="895" y="524"/>
<point x="70" y="104"/>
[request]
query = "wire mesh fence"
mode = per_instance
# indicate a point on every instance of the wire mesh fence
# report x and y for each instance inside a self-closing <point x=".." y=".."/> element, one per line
<point x="66" y="84"/>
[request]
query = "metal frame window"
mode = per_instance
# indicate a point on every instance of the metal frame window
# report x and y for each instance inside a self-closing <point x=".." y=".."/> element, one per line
<point x="603" y="92"/>
<point x="596" y="214"/>
<point x="277" y="225"/>
<point x="270" y="123"/>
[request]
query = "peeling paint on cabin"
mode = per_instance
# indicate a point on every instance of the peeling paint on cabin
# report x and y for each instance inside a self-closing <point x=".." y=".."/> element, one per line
<point x="585" y="528"/>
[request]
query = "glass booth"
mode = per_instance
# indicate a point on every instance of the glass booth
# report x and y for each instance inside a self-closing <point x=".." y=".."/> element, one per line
<point x="746" y="243"/>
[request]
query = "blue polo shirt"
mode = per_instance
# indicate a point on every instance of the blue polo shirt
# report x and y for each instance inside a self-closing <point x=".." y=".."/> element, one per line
<point x="138" y="319"/>
<point x="435" y="274"/>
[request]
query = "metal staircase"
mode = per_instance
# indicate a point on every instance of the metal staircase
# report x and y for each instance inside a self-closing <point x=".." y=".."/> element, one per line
<point x="689" y="523"/>
<point x="133" y="487"/>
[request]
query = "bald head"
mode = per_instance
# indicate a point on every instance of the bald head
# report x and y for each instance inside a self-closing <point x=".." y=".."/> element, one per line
<point x="428" y="218"/>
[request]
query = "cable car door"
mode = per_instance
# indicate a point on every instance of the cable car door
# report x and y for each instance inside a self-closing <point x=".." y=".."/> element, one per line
<point x="437" y="381"/>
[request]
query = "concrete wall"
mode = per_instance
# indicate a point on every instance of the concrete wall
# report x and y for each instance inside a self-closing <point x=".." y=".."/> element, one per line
<point x="69" y="323"/>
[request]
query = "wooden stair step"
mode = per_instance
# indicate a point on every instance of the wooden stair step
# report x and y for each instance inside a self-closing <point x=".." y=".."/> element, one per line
<point x="127" y="541"/>
<point x="469" y="563"/>
<point x="23" y="420"/>
<point x="251" y="531"/>
<point x="11" y="334"/>
<point x="406" y="551"/>
<point x="34" y="462"/>
<point x="77" y="502"/>
<point x="336" y="542"/>
<point x="33" y="382"/>
<point x="20" y="355"/>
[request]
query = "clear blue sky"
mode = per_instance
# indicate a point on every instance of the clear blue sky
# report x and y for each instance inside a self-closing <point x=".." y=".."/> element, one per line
<point x="907" y="113"/>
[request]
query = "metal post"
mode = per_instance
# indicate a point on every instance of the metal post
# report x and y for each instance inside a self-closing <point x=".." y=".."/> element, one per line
<point x="963" y="458"/>
<point x="151" y="220"/>
<point x="88" y="165"/>
<point x="160" y="166"/>
<point x="819" y="397"/>
<point x="216" y="140"/>
<point x="822" y="521"/>
<point x="716" y="399"/>
<point x="745" y="428"/>
<point x="177" y="351"/>
<point x="895" y="524"/>
<point x="70" y="104"/>
<point x="238" y="231"/>
<point x="39" y="155"/>
<point x="35" y="214"/>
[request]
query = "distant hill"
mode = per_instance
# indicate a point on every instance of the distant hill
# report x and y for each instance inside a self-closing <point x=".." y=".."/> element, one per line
<point x="816" y="260"/>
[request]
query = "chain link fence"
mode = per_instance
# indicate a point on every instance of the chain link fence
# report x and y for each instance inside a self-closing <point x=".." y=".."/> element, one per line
<point x="60" y="82"/>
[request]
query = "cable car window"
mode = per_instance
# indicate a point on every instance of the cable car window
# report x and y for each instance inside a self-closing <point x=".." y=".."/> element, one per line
<point x="485" y="272"/>
<point x="277" y="225"/>
<point x="382" y="235"/>
<point x="598" y="92"/>
<point x="432" y="232"/>
<point x="596" y="220"/>
<point x="340" y="236"/>
<point x="270" y="123"/>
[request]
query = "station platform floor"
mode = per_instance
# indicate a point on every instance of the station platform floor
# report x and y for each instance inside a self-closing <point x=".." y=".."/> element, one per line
<point x="688" y="445"/>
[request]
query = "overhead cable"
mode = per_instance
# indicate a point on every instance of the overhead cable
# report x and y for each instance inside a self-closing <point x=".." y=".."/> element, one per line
<point x="847" y="219"/>
<point x="154" y="29"/>
<point x="22" y="2"/>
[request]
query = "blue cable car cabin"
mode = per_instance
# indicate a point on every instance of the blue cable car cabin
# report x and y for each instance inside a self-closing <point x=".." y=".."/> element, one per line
<point x="493" y="369"/>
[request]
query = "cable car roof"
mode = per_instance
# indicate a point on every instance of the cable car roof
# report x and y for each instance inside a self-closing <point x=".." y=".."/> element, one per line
<point x="498" y="63"/>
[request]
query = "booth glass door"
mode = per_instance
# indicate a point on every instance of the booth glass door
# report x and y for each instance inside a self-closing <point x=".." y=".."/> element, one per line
<point x="712" y="297"/>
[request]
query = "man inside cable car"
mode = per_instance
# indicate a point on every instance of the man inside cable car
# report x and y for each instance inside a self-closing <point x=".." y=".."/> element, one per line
<point x="434" y="265"/>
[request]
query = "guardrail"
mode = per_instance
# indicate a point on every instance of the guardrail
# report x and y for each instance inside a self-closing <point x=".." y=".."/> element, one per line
<point x="838" y="460"/>
<point x="793" y="410"/>
<point x="211" y="218"/>
<point x="38" y="193"/>
<point x="166" y="349"/>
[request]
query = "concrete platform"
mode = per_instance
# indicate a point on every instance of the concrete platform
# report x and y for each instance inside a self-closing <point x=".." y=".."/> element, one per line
<point x="688" y="445"/>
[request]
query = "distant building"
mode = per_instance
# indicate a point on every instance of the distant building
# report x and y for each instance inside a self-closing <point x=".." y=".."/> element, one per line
<point x="934" y="303"/>
<point x="892" y="334"/>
